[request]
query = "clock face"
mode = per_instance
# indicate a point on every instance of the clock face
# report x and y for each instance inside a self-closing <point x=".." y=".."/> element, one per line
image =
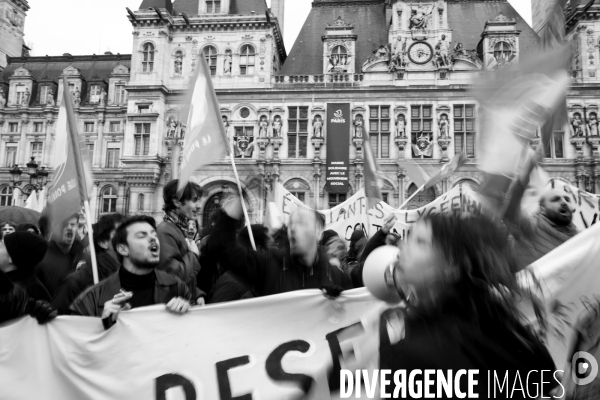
<point x="420" y="53"/>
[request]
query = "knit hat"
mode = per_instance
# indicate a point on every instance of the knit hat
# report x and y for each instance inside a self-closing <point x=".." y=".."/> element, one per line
<point x="328" y="234"/>
<point x="25" y="249"/>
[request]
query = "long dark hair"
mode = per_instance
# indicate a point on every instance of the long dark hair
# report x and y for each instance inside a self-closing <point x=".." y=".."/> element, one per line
<point x="481" y="255"/>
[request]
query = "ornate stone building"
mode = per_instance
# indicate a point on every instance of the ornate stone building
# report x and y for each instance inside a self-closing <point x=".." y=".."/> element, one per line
<point x="12" y="25"/>
<point x="404" y="67"/>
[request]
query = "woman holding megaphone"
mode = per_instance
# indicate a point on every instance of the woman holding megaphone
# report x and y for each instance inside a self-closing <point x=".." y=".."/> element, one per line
<point x="454" y="277"/>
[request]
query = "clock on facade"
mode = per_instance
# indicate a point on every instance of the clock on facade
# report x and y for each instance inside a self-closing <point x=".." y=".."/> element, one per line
<point x="420" y="53"/>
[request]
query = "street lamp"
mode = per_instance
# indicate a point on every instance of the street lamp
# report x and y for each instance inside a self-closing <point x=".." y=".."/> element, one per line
<point x="37" y="177"/>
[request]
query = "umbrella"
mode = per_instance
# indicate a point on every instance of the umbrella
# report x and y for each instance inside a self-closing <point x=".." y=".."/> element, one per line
<point x="19" y="215"/>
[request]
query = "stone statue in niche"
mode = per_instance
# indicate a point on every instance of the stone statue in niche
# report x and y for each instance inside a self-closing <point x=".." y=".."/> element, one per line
<point x="577" y="125"/>
<point x="277" y="126"/>
<point x="103" y="97"/>
<point x="593" y="125"/>
<point x="178" y="64"/>
<point x="358" y="126"/>
<point x="419" y="18"/>
<point x="263" y="126"/>
<point x="171" y="128"/>
<point x="400" y="126"/>
<point x="318" y="127"/>
<point x="2" y="98"/>
<point x="399" y="11"/>
<point x="398" y="59"/>
<point x="181" y="131"/>
<point x="26" y="97"/>
<point x="50" y="98"/>
<point x="227" y="63"/>
<point x="442" y="53"/>
<point x="77" y="97"/>
<point x="338" y="63"/>
<point x="444" y="125"/>
<point x="225" y="123"/>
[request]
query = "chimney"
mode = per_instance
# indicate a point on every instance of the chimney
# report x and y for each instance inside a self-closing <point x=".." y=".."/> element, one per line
<point x="278" y="10"/>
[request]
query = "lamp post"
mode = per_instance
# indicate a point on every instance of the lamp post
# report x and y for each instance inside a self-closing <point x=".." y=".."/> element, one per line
<point x="37" y="177"/>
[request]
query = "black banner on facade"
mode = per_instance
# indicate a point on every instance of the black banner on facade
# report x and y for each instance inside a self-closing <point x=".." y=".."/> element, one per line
<point x="338" y="147"/>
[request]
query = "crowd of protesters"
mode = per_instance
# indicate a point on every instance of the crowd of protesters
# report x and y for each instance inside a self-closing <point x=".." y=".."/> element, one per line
<point x="460" y="267"/>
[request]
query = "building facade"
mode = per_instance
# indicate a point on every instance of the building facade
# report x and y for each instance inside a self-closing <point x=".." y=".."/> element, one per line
<point x="405" y="68"/>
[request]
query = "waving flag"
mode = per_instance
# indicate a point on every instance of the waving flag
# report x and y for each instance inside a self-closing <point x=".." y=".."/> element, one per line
<point x="206" y="140"/>
<point x="68" y="190"/>
<point x="516" y="102"/>
<point x="373" y="182"/>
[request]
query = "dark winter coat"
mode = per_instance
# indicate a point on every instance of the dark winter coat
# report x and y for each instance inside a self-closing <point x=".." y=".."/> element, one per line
<point x="91" y="302"/>
<point x="449" y="341"/>
<point x="377" y="240"/>
<point x="76" y="282"/>
<point x="32" y="285"/>
<point x="230" y="287"/>
<point x="176" y="259"/>
<point x="56" y="265"/>
<point x="13" y="299"/>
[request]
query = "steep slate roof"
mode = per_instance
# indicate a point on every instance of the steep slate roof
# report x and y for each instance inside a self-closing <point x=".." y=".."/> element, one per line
<point x="52" y="67"/>
<point x="370" y="26"/>
<point x="467" y="20"/>
<point x="157" y="3"/>
<point x="236" y="7"/>
<point x="243" y="7"/>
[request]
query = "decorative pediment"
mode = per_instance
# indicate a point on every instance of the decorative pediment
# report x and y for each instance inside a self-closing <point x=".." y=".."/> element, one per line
<point x="340" y="23"/>
<point x="263" y="110"/>
<point x="278" y="110"/>
<point x="443" y="108"/>
<point x="71" y="70"/>
<point x="296" y="184"/>
<point x="318" y="109"/>
<point x="359" y="109"/>
<point x="120" y="70"/>
<point x="400" y="109"/>
<point x="21" y="72"/>
<point x="502" y="18"/>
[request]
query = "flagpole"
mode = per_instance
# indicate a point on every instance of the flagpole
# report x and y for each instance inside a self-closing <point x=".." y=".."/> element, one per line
<point x="239" y="185"/>
<point x="411" y="197"/>
<point x="80" y="173"/>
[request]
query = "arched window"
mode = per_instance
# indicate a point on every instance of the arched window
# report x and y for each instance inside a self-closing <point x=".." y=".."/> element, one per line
<point x="141" y="202"/>
<point x="422" y="199"/>
<point x="339" y="55"/>
<point x="247" y="60"/>
<point x="6" y="196"/>
<point x="502" y="52"/>
<point x="148" y="60"/>
<point x="178" y="68"/>
<point x="109" y="200"/>
<point x="298" y="188"/>
<point x="467" y="182"/>
<point x="210" y="55"/>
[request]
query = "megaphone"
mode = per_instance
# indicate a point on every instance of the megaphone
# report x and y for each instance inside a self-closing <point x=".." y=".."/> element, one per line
<point x="378" y="274"/>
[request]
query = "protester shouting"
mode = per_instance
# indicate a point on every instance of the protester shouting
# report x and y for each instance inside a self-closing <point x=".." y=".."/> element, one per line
<point x="106" y="259"/>
<point x="541" y="233"/>
<point x="456" y="274"/>
<point x="138" y="249"/>
<point x="20" y="252"/>
<point x="65" y="254"/>
<point x="179" y="256"/>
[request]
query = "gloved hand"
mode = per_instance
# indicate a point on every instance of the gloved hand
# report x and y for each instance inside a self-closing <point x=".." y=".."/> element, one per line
<point x="332" y="291"/>
<point x="41" y="310"/>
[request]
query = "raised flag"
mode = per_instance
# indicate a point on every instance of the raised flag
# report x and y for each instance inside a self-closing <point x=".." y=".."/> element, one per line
<point x="446" y="171"/>
<point x="373" y="181"/>
<point x="516" y="102"/>
<point x="416" y="173"/>
<point x="206" y="140"/>
<point x="68" y="190"/>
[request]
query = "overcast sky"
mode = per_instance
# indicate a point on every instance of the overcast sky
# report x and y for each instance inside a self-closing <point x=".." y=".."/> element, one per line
<point x="54" y="27"/>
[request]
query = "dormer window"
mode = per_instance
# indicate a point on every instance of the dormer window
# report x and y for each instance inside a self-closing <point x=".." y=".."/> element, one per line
<point x="213" y="6"/>
<point x="95" y="94"/>
<point x="119" y="94"/>
<point x="502" y="52"/>
<point x="144" y="109"/>
<point x="20" y="94"/>
<point x="44" y="94"/>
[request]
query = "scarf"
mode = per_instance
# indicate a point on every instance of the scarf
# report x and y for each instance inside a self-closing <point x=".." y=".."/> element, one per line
<point x="180" y="220"/>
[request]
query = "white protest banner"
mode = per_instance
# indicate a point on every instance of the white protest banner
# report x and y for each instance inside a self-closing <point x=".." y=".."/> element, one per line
<point x="352" y="214"/>
<point x="568" y="281"/>
<point x="267" y="348"/>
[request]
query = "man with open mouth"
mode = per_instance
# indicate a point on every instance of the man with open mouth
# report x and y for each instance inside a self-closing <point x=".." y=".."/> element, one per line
<point x="137" y="283"/>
